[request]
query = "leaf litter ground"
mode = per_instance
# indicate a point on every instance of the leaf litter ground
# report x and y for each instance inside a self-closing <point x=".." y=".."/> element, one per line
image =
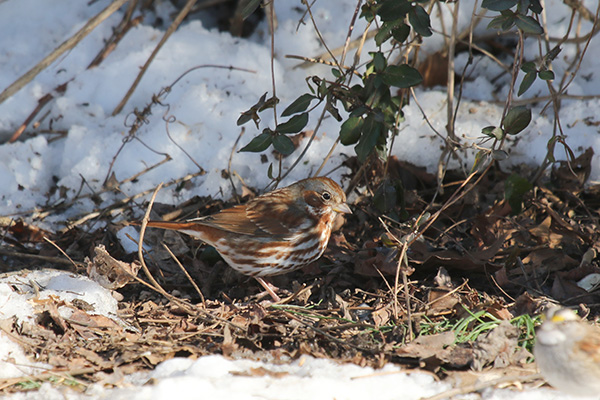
<point x="466" y="302"/>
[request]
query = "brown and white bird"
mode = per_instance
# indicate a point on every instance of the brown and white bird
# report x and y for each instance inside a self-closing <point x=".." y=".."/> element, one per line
<point x="567" y="352"/>
<point x="275" y="233"/>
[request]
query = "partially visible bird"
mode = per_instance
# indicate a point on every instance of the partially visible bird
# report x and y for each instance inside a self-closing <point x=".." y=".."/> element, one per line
<point x="274" y="233"/>
<point x="567" y="352"/>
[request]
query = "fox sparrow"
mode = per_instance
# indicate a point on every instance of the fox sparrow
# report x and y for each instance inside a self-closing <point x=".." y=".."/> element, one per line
<point x="272" y="234"/>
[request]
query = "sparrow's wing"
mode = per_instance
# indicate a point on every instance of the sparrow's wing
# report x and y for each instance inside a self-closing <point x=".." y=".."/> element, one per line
<point x="272" y="215"/>
<point x="278" y="214"/>
<point x="234" y="219"/>
<point x="590" y="344"/>
<point x="266" y="216"/>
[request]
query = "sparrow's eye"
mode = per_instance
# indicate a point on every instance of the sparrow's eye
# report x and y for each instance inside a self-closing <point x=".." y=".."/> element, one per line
<point x="326" y="196"/>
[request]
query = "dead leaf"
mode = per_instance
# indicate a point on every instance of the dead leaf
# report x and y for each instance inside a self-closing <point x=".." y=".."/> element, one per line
<point x="573" y="175"/>
<point x="440" y="300"/>
<point x="497" y="347"/>
<point x="546" y="259"/>
<point x="381" y="316"/>
<point x="93" y="357"/>
<point x="427" y="346"/>
<point x="434" y="70"/>
<point x="27" y="233"/>
<point x="545" y="235"/>
<point x="499" y="311"/>
<point x="259" y="372"/>
<point x="375" y="260"/>
<point x="108" y="272"/>
<point x="568" y="292"/>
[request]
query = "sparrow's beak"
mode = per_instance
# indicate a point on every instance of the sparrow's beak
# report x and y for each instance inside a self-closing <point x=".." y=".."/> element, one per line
<point x="342" y="209"/>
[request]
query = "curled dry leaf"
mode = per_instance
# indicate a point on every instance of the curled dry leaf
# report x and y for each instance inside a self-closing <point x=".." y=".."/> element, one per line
<point x="24" y="232"/>
<point x="443" y="279"/>
<point x="108" y="272"/>
<point x="499" y="347"/>
<point x="374" y="260"/>
<point x="441" y="300"/>
<point x="427" y="346"/>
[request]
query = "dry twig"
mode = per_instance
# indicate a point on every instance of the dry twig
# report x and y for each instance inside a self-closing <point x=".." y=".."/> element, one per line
<point x="182" y="14"/>
<point x="63" y="47"/>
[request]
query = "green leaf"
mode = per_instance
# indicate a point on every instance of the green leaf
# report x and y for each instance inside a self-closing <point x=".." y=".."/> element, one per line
<point x="350" y="130"/>
<point x="379" y="61"/>
<point x="294" y="124"/>
<point x="488" y="130"/>
<point x="503" y="22"/>
<point x="368" y="140"/>
<point x="378" y="93"/>
<point x="394" y="9"/>
<point x="369" y="70"/>
<point x="259" y="143"/>
<point x="525" y="5"/>
<point x="535" y="6"/>
<point x="499" y="155"/>
<point x="552" y="54"/>
<point x="498" y="133"/>
<point x="401" y="76"/>
<point x="515" y="187"/>
<point x="516" y="120"/>
<point x="509" y="22"/>
<point x="498" y="5"/>
<point x="322" y="89"/>
<point x="399" y="102"/>
<point x="528" y="25"/>
<point x="245" y="117"/>
<point x="247" y="7"/>
<point x="479" y="158"/>
<point x="299" y="105"/>
<point x="270" y="172"/>
<point x="528" y="80"/>
<point x="493" y="132"/>
<point x="366" y="12"/>
<point x="331" y="109"/>
<point x="547" y="75"/>
<point x="528" y="67"/>
<point x="385" y="32"/>
<point x="401" y="33"/>
<point x="419" y="19"/>
<point x="283" y="144"/>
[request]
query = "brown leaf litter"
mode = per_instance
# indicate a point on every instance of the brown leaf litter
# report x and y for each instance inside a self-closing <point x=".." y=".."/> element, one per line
<point x="350" y="306"/>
